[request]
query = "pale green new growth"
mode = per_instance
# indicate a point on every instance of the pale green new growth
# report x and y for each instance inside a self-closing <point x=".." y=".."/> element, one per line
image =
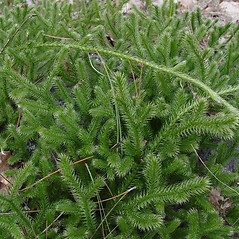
<point x="119" y="125"/>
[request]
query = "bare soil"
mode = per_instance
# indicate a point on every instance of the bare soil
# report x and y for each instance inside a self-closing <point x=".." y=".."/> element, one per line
<point x="224" y="10"/>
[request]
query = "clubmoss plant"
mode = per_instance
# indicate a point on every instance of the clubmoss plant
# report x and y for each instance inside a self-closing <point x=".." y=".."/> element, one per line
<point x="123" y="123"/>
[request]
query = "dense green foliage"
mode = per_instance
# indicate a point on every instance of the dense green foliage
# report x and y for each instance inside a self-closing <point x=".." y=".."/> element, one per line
<point x="145" y="95"/>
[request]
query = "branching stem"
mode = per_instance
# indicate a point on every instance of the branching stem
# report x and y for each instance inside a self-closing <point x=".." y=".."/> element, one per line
<point x="214" y="96"/>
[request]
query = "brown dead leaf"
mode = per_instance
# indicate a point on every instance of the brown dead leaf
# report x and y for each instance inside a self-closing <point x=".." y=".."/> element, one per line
<point x="220" y="203"/>
<point x="215" y="197"/>
<point x="226" y="205"/>
<point x="4" y="156"/>
<point x="5" y="182"/>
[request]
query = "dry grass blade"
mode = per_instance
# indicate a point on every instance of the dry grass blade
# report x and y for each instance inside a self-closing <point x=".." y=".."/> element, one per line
<point x="101" y="211"/>
<point x="57" y="171"/>
<point x="45" y="230"/>
<point x="15" y="33"/>
<point x="232" y="189"/>
<point x="124" y="194"/>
